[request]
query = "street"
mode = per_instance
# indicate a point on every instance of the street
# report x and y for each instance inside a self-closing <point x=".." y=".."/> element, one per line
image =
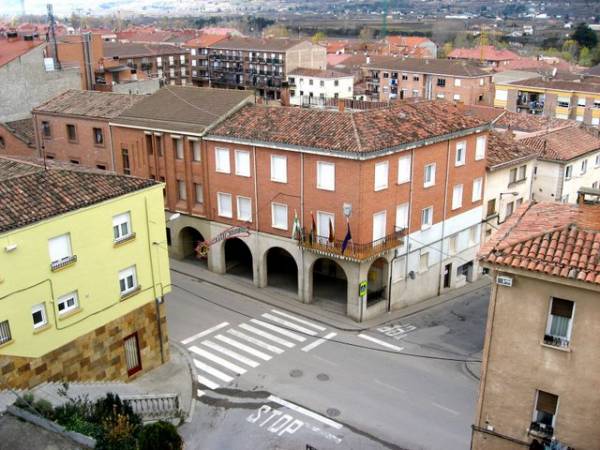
<point x="271" y="379"/>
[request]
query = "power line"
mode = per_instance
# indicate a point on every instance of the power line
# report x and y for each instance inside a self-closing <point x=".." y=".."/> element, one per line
<point x="414" y="355"/>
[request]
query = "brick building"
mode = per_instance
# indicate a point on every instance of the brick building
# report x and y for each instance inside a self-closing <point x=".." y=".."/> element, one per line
<point x="486" y="54"/>
<point x="251" y="63"/>
<point x="540" y="358"/>
<point x="73" y="126"/>
<point x="390" y="78"/>
<point x="407" y="181"/>
<point x="17" y="138"/>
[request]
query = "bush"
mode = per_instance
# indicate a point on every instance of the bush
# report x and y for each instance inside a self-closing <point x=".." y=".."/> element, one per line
<point x="45" y="408"/>
<point x="160" y="436"/>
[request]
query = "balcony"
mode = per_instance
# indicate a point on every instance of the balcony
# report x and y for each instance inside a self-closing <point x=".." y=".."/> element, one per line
<point x="353" y="252"/>
<point x="64" y="262"/>
<point x="556" y="341"/>
<point x="541" y="430"/>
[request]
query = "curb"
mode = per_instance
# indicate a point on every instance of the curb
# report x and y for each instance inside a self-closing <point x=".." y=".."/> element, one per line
<point x="434" y="301"/>
<point x="188" y="360"/>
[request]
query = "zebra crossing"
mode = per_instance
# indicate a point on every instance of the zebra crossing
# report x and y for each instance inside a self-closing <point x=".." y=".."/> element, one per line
<point x="224" y="352"/>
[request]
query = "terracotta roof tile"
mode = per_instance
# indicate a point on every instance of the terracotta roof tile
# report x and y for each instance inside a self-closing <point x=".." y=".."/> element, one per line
<point x="490" y="53"/>
<point x="303" y="72"/>
<point x="434" y="66"/>
<point x="563" y="144"/>
<point x="10" y="49"/>
<point x="504" y="150"/>
<point x="527" y="240"/>
<point x="589" y="84"/>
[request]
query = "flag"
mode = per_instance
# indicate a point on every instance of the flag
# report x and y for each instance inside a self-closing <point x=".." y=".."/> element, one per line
<point x="296" y="231"/>
<point x="313" y="228"/>
<point x="331" y="232"/>
<point x="347" y="239"/>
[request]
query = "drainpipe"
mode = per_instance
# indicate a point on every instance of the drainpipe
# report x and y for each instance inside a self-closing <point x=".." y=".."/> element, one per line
<point x="257" y="252"/>
<point x="444" y="218"/>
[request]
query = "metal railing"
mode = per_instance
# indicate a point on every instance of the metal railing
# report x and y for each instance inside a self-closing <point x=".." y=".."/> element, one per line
<point x="353" y="251"/>
<point x="154" y="407"/>
<point x="556" y="341"/>
<point x="541" y="429"/>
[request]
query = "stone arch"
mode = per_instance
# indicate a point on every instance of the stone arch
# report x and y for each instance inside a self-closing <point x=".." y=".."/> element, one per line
<point x="238" y="258"/>
<point x="281" y="269"/>
<point x="329" y="282"/>
<point x="378" y="280"/>
<point x="189" y="237"/>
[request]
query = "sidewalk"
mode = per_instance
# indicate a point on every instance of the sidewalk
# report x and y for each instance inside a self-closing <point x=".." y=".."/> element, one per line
<point x="282" y="299"/>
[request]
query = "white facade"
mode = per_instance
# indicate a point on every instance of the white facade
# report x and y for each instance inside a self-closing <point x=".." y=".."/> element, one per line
<point x="313" y="89"/>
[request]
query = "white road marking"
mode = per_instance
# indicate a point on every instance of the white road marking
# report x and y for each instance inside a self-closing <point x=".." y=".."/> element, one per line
<point x="243" y="347"/>
<point x="231" y="354"/>
<point x="380" y="342"/>
<point x="204" y="333"/>
<point x="318" y="342"/>
<point x="200" y="393"/>
<point x="214" y="372"/>
<point x="326" y="361"/>
<point x="306" y="412"/>
<point x="297" y="319"/>
<point x="206" y="382"/>
<point x="451" y="411"/>
<point x="280" y="330"/>
<point x="290" y="324"/>
<point x="389" y="386"/>
<point x="217" y="359"/>
<point x="255" y="341"/>
<point x="264" y="334"/>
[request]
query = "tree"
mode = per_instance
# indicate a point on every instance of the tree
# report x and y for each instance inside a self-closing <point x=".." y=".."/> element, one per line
<point x="585" y="57"/>
<point x="446" y="50"/>
<point x="319" y="36"/>
<point x="596" y="55"/>
<point x="366" y="34"/>
<point x="276" y="31"/>
<point x="160" y="435"/>
<point x="585" y="36"/>
<point x="571" y="47"/>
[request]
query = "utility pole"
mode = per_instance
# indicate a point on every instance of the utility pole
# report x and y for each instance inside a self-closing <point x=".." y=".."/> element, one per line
<point x="53" y="34"/>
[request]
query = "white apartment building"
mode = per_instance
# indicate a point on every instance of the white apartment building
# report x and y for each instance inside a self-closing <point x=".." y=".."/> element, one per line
<point x="313" y="87"/>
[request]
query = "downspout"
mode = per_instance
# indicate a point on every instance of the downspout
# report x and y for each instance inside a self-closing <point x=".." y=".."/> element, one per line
<point x="112" y="148"/>
<point x="258" y="266"/>
<point x="444" y="217"/>
<point x="301" y="288"/>
<point x="410" y="197"/>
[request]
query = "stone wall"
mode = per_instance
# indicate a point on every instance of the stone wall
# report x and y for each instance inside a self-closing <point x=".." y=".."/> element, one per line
<point x="95" y="356"/>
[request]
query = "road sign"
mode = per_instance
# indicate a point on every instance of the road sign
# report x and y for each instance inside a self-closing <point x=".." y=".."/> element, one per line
<point x="362" y="288"/>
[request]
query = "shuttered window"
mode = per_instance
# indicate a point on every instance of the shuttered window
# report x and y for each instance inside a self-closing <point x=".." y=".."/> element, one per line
<point x="59" y="248"/>
<point x="326" y="176"/>
<point x="404" y="168"/>
<point x="279" y="168"/>
<point x="132" y="354"/>
<point x="244" y="209"/>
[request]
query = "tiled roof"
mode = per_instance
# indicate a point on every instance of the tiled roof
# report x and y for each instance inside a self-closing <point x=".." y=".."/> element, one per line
<point x="183" y="108"/>
<point x="29" y="194"/>
<point x="535" y="64"/>
<point x="490" y="53"/>
<point x="593" y="71"/>
<point x="434" y="66"/>
<point x="22" y="129"/>
<point x="205" y="40"/>
<point x="408" y="41"/>
<point x="139" y="50"/>
<point x="246" y="43"/>
<point x="316" y="73"/>
<point x="587" y="85"/>
<point x="555" y="239"/>
<point x="515" y="121"/>
<point x="347" y="132"/>
<point x="105" y="105"/>
<point x="503" y="151"/>
<point x="10" y="50"/>
<point x="563" y="144"/>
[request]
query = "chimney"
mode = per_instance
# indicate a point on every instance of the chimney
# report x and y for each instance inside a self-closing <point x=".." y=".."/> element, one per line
<point x="341" y="104"/>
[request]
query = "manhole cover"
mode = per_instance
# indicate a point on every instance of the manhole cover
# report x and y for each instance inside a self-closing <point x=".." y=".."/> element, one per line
<point x="323" y="377"/>
<point x="295" y="373"/>
<point x="332" y="412"/>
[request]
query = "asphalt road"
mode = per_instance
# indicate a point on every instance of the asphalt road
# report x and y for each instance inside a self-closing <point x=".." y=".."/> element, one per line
<point x="271" y="379"/>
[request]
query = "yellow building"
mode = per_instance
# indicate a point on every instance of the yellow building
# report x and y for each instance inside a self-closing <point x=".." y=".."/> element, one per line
<point x="577" y="100"/>
<point x="83" y="273"/>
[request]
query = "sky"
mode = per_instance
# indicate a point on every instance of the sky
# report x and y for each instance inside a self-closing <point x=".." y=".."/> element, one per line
<point x="61" y="7"/>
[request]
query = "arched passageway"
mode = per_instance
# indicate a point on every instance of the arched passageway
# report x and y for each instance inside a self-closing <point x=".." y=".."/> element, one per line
<point x="238" y="258"/>
<point x="282" y="270"/>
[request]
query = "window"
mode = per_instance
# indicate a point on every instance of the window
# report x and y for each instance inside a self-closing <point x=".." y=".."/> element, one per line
<point x="196" y="155"/>
<point x="457" y="194"/>
<point x="38" y="315"/>
<point x="98" y="136"/>
<point x="379" y="226"/>
<point x="563" y="102"/>
<point x="178" y="145"/>
<point x="336" y="83"/>
<point x="224" y="208"/>
<point x="71" y="133"/>
<point x="415" y="92"/>
<point x="457" y="82"/>
<point x="477" y="188"/>
<point x="426" y="217"/>
<point x="279" y="168"/>
<point x="149" y="144"/>
<point x="244" y="209"/>
<point x="544" y="415"/>
<point x="522" y="173"/>
<point x="199" y="193"/>
<point x="452" y="244"/>
<point x="181" y="190"/>
<point x="159" y="147"/>
<point x="46" y="130"/>
<point x="402" y="216"/>
<point x="558" y="328"/>
<point x="405" y="76"/>
<point x="581" y="101"/>
<point x="322" y="83"/>
<point x="100" y="166"/>
<point x="568" y="172"/>
<point x="583" y="167"/>
<point x="59" y="249"/>
<point x="423" y="261"/>
<point x="5" y="334"/>
<point x="2" y="142"/>
<point x="404" y="169"/>
<point x="67" y="303"/>
<point x="501" y="95"/>
<point x="222" y="160"/>
<point x="310" y="81"/>
<point x="480" y="148"/>
<point x="242" y="163"/>
<point x="597" y="160"/>
<point x="125" y="158"/>
<point x="429" y="175"/>
<point x="456" y="97"/>
<point x="441" y="82"/>
<point x="415" y="78"/>
<point x="121" y="226"/>
<point x="74" y="161"/>
<point x="279" y="216"/>
<point x="491" y="207"/>
<point x="461" y="150"/>
<point x="510" y="207"/>
<point x="381" y="175"/>
<point x="325" y="176"/>
<point x="127" y="281"/>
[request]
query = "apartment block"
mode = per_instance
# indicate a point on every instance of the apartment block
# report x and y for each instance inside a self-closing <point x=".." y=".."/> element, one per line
<point x="389" y="78"/>
<point x="314" y="87"/>
<point x="573" y="99"/>
<point x="538" y="377"/>
<point x="250" y="63"/>
<point x="73" y="126"/>
<point x="64" y="317"/>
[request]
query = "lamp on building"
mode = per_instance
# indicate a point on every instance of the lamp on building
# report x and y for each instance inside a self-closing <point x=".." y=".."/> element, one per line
<point x="347" y="209"/>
